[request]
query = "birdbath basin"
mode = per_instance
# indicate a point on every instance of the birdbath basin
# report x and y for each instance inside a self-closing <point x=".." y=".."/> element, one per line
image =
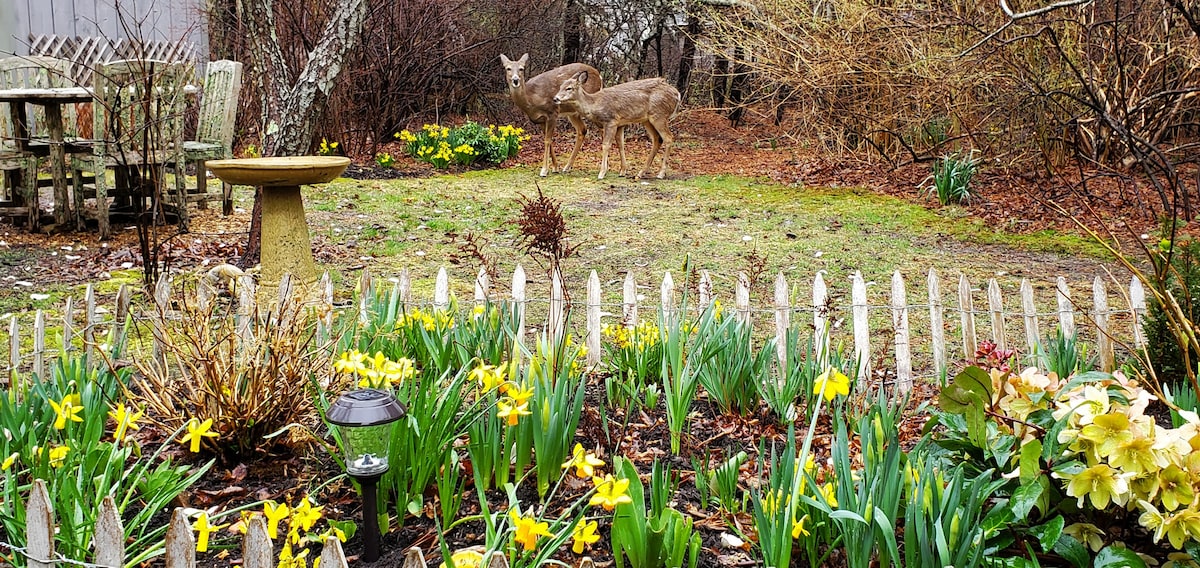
<point x="286" y="247"/>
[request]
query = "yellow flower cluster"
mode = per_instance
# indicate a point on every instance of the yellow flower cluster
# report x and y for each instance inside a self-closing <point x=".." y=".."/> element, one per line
<point x="377" y="371"/>
<point x="640" y="338"/>
<point x="327" y="148"/>
<point x="515" y="400"/>
<point x="1127" y="459"/>
<point x="301" y="519"/>
<point x="437" y="320"/>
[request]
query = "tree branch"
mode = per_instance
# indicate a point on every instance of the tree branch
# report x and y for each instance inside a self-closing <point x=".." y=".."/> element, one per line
<point x="1039" y="11"/>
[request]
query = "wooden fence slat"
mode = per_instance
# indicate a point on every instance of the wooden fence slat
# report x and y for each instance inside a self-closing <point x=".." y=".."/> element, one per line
<point x="14" y="356"/>
<point x="180" y="551"/>
<point x="39" y="345"/>
<point x="1104" y="343"/>
<point x="996" y="307"/>
<point x="441" y="290"/>
<point x="413" y="558"/>
<point x="783" y="320"/>
<point x="820" y="298"/>
<point x="556" y="321"/>
<point x="967" y="316"/>
<point x="325" y="319"/>
<point x="68" y="331"/>
<point x="365" y="292"/>
<point x="862" y="333"/>
<point x="39" y="527"/>
<point x="109" y="538"/>
<point x="121" y="315"/>
<point x="741" y="298"/>
<point x="244" y="320"/>
<point x="904" y="377"/>
<point x="1032" y="338"/>
<point x="483" y="285"/>
<point x="1066" y="310"/>
<point x="1137" y="301"/>
<point x="629" y="305"/>
<point x="404" y="287"/>
<point x="593" y="319"/>
<point x="669" y="310"/>
<point x="705" y="290"/>
<point x="90" y="320"/>
<point x="162" y="292"/>
<point x="332" y="555"/>
<point x="518" y="297"/>
<point x="937" y="324"/>
<point x="257" y="548"/>
<point x="285" y="305"/>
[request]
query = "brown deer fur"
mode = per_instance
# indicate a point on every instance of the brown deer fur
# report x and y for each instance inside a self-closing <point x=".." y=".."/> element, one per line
<point x="535" y="97"/>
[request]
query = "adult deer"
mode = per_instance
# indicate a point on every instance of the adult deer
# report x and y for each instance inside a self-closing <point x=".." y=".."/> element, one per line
<point x="649" y="102"/>
<point x="535" y="97"/>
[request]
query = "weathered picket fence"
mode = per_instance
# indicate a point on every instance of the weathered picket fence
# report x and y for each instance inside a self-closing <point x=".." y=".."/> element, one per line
<point x="928" y="352"/>
<point x="108" y="541"/>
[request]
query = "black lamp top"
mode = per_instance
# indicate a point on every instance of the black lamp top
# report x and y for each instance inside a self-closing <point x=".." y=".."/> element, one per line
<point x="365" y="407"/>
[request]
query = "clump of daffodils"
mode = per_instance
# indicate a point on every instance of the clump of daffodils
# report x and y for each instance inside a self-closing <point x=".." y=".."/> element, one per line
<point x="375" y="371"/>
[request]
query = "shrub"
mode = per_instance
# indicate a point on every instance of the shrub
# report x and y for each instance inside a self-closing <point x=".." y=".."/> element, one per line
<point x="1181" y="277"/>
<point x="463" y="145"/>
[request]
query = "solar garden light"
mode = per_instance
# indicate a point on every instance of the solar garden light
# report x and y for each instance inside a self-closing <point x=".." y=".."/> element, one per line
<point x="364" y="419"/>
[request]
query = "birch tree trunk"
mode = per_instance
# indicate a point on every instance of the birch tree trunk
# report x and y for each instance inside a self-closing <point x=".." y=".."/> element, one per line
<point x="292" y="100"/>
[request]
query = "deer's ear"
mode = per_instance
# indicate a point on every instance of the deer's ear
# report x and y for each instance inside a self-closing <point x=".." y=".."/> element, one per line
<point x="523" y="60"/>
<point x="582" y="77"/>
<point x="504" y="60"/>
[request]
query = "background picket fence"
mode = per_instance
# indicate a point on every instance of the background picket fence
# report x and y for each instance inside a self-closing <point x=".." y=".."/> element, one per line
<point x="950" y="326"/>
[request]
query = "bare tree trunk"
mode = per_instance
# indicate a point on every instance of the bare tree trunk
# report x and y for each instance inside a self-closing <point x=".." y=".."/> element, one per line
<point x="687" y="55"/>
<point x="223" y="37"/>
<point x="291" y="102"/>
<point x="572" y="32"/>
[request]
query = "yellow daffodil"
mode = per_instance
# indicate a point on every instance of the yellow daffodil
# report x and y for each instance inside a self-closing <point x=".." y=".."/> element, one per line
<point x="305" y="515"/>
<point x="519" y="395"/>
<point x="585" y="463"/>
<point x="334" y="532"/>
<point x="58" y="454"/>
<point x="203" y="529"/>
<point x="798" y="529"/>
<point x="274" y="513"/>
<point x="610" y="492"/>
<point x="528" y="529"/>
<point x="464" y="559"/>
<point x="197" y="431"/>
<point x="486" y="375"/>
<point x="1101" y="484"/>
<point x="770" y="502"/>
<point x="125" y="420"/>
<point x="832" y="383"/>
<point x="829" y="492"/>
<point x="67" y="410"/>
<point x="511" y="412"/>
<point x="9" y="461"/>
<point x="351" y="362"/>
<point x="584" y="536"/>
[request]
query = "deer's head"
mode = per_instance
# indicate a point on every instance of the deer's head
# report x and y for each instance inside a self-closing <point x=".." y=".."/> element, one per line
<point x="514" y="71"/>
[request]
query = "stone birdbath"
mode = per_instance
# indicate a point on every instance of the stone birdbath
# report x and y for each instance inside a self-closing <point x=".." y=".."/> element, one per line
<point x="286" y="247"/>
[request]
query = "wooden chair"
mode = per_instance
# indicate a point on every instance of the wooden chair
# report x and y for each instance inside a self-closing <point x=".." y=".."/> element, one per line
<point x="214" y="128"/>
<point x="138" y="124"/>
<point x="19" y="159"/>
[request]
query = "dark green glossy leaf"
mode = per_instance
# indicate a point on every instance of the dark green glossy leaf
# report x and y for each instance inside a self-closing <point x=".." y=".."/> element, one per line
<point x="1117" y="557"/>
<point x="1049" y="532"/>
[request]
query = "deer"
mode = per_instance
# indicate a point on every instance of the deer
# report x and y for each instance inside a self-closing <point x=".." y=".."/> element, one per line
<point x="649" y="102"/>
<point x="535" y="97"/>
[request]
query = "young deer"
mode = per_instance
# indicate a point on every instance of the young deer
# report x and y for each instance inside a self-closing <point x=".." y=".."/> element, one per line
<point x="535" y="97"/>
<point x="649" y="102"/>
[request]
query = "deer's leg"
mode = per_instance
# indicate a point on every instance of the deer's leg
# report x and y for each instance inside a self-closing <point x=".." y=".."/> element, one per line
<point x="609" y="132"/>
<point x="621" y="145"/>
<point x="655" y="141"/>
<point x="664" y="129"/>
<point x="580" y="131"/>
<point x="548" y="149"/>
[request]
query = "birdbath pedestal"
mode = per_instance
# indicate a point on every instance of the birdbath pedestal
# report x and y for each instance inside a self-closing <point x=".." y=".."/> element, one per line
<point x="286" y="247"/>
